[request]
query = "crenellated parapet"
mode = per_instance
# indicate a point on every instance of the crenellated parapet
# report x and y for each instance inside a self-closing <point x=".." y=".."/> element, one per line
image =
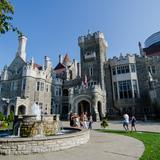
<point x="128" y="58"/>
<point x="90" y="37"/>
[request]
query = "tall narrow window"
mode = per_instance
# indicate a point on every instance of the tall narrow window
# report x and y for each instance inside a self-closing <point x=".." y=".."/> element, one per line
<point x="38" y="86"/>
<point x="12" y="85"/>
<point x="15" y="86"/>
<point x="91" y="71"/>
<point x="47" y="87"/>
<point x="114" y="71"/>
<point x="115" y="90"/>
<point x="153" y="69"/>
<point x="133" y="68"/>
<point x="135" y="88"/>
<point x="119" y="70"/>
<point x="125" y="89"/>
<point x="23" y="84"/>
<point x="42" y="86"/>
<point x="57" y="91"/>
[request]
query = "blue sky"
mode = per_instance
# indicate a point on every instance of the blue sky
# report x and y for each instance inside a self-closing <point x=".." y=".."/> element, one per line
<point x="53" y="26"/>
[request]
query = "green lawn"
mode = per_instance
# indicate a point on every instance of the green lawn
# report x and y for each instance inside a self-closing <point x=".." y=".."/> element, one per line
<point x="150" y="140"/>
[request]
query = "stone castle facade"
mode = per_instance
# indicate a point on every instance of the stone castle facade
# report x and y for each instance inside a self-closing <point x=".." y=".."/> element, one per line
<point x="96" y="85"/>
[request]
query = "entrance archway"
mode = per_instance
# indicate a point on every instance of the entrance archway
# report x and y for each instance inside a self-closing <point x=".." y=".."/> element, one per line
<point x="84" y="106"/>
<point x="99" y="105"/>
<point x="21" y="110"/>
<point x="65" y="92"/>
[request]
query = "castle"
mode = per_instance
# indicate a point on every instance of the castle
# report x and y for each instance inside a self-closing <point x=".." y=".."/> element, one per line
<point x="97" y="85"/>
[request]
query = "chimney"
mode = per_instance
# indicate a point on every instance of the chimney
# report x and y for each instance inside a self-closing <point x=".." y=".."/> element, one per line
<point x="22" y="47"/>
<point x="60" y="58"/>
<point x="47" y="62"/>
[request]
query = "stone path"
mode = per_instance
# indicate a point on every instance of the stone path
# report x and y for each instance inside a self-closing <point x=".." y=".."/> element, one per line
<point x="141" y="126"/>
<point x="101" y="146"/>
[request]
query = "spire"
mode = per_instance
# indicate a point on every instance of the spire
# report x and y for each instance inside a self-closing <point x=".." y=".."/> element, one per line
<point x="66" y="60"/>
<point x="140" y="49"/>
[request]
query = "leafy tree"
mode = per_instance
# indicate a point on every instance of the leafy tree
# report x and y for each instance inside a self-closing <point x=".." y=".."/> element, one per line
<point x="6" y="13"/>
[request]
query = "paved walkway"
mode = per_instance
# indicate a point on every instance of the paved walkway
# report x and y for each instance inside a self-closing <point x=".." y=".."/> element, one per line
<point x="101" y="146"/>
<point x="141" y="126"/>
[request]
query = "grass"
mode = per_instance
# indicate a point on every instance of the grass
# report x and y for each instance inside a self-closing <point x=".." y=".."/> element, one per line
<point x="150" y="140"/>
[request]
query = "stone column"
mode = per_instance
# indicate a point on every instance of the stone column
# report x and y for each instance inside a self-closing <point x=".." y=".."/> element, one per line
<point x="95" y="110"/>
<point x="8" y="110"/>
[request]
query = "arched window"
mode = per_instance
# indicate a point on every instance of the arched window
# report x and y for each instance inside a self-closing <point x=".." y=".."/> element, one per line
<point x="21" y="110"/>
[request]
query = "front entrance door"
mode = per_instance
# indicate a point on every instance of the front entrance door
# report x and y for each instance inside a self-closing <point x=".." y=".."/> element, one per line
<point x="83" y="106"/>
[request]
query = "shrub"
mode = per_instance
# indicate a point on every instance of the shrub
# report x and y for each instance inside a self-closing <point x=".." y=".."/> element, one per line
<point x="10" y="117"/>
<point x="2" y="117"/>
<point x="104" y="123"/>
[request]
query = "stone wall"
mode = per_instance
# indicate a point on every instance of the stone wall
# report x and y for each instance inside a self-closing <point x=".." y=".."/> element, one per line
<point x="20" y="146"/>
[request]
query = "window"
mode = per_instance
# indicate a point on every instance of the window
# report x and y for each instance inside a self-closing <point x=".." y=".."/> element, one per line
<point x="152" y="69"/>
<point x="41" y="105"/>
<point x="91" y="71"/>
<point x="123" y="69"/>
<point x="135" y="88"/>
<point x="15" y="86"/>
<point x="127" y="69"/>
<point x="125" y="89"/>
<point x="51" y="101"/>
<point x="133" y="69"/>
<point x="115" y="90"/>
<point x="114" y="71"/>
<point x="60" y="91"/>
<point x="12" y="85"/>
<point x="118" y="70"/>
<point x="38" y="86"/>
<point x="47" y="87"/>
<point x="56" y="91"/>
<point x="23" y="84"/>
<point x="42" y="86"/>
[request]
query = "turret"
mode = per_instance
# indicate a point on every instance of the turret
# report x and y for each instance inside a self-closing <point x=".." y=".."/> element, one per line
<point x="93" y="55"/>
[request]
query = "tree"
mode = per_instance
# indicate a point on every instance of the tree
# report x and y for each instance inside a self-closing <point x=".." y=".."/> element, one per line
<point x="6" y="13"/>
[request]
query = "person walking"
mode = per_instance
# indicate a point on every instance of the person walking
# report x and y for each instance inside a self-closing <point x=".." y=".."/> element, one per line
<point x="133" y="123"/>
<point x="126" y="122"/>
<point x="90" y="122"/>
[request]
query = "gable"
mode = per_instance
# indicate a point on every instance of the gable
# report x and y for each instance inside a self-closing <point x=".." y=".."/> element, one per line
<point x="16" y="64"/>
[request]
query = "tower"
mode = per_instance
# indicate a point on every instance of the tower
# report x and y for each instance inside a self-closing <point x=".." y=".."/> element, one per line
<point x="93" y="55"/>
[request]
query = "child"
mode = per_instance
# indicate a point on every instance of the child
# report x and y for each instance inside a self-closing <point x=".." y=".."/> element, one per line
<point x="133" y="123"/>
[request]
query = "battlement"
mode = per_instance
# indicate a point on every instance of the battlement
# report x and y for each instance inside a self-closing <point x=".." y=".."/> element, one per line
<point x="129" y="58"/>
<point x="92" y="36"/>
